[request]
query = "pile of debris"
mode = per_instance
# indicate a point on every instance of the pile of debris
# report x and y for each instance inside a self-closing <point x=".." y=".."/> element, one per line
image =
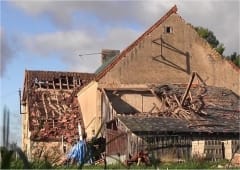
<point x="172" y="104"/>
<point x="177" y="102"/>
<point x="201" y="107"/>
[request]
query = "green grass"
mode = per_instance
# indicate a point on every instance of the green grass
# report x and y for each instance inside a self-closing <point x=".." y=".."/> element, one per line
<point x="191" y="164"/>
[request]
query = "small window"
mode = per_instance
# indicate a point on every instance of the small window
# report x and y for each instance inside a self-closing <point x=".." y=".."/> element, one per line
<point x="168" y="30"/>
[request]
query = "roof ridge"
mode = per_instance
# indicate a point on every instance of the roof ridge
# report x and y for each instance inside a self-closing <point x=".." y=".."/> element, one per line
<point x="53" y="71"/>
<point x="131" y="46"/>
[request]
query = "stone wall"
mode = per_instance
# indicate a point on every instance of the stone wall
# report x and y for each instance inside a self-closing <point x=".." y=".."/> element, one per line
<point x="52" y="151"/>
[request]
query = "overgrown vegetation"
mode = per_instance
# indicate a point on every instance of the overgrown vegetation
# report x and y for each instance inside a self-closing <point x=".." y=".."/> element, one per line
<point x="8" y="151"/>
<point x="209" y="36"/>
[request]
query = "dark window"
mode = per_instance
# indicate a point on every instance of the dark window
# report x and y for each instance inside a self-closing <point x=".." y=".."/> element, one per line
<point x="64" y="148"/>
<point x="168" y="29"/>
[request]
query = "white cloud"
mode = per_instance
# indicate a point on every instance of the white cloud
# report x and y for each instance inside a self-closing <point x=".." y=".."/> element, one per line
<point x="68" y="45"/>
<point x="59" y="42"/>
<point x="222" y="17"/>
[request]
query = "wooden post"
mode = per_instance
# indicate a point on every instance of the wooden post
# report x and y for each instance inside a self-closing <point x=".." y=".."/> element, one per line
<point x="62" y="144"/>
<point x="188" y="88"/>
<point x="80" y="131"/>
<point x="67" y="83"/>
<point x="60" y="83"/>
<point x="20" y="101"/>
<point x="53" y="85"/>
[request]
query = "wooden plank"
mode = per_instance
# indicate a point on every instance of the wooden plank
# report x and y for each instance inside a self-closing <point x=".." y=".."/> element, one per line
<point x="188" y="88"/>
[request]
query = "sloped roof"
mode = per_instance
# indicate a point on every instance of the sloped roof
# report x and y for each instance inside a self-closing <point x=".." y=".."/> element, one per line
<point x="158" y="125"/>
<point x="220" y="105"/>
<point x="116" y="59"/>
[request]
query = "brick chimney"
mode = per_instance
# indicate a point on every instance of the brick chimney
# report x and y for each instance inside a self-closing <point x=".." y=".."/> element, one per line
<point x="108" y="54"/>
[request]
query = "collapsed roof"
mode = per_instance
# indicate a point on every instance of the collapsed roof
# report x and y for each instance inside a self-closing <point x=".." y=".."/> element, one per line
<point x="206" y="109"/>
<point x="54" y="111"/>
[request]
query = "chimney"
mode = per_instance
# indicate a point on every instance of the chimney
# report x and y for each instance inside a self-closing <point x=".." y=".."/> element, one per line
<point x="108" y="54"/>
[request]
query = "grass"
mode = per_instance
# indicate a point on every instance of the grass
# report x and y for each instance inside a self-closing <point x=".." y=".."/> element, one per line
<point x="191" y="164"/>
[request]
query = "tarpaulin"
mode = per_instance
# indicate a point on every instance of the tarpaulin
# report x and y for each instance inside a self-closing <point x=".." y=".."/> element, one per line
<point x="78" y="152"/>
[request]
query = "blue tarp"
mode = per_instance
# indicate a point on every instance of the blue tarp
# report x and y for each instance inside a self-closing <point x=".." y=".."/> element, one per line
<point x="78" y="152"/>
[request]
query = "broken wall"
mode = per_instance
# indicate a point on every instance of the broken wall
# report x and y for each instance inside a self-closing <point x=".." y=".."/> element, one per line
<point x="52" y="112"/>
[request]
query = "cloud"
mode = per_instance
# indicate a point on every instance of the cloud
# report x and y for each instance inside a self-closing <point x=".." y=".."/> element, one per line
<point x="61" y="12"/>
<point x="7" y="52"/>
<point x="222" y="17"/>
<point x="69" y="44"/>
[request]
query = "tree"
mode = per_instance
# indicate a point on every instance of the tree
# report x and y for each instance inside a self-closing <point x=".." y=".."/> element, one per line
<point x="235" y="58"/>
<point x="220" y="49"/>
<point x="209" y="36"/>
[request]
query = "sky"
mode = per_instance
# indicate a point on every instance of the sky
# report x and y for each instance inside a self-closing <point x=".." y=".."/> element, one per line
<point x="50" y="35"/>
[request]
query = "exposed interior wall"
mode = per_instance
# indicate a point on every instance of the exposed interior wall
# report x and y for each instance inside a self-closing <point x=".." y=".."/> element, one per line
<point x="87" y="98"/>
<point x="140" y="102"/>
<point x="124" y="102"/>
<point x="172" y="59"/>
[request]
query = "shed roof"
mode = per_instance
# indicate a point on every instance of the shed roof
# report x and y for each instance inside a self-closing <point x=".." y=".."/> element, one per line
<point x="158" y="125"/>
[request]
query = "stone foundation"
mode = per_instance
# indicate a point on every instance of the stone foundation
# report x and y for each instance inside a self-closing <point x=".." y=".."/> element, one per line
<point x="52" y="151"/>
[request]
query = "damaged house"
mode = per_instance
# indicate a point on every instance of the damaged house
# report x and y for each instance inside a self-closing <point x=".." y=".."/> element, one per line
<point x="167" y="92"/>
<point x="51" y="113"/>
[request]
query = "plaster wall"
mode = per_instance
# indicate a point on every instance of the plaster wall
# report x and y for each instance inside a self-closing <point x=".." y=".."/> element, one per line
<point x="173" y="59"/>
<point x="87" y="98"/>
